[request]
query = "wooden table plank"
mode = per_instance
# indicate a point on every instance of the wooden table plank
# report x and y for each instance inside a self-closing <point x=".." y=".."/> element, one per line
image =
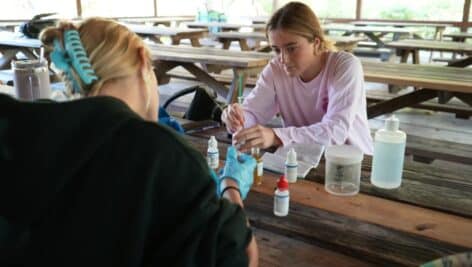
<point x="225" y="26"/>
<point x="209" y="51"/>
<point x="431" y="45"/>
<point x="228" y="60"/>
<point x="427" y="76"/>
<point x="164" y="20"/>
<point x="372" y="32"/>
<point x="176" y="34"/>
<point x="403" y="217"/>
<point x="18" y="40"/>
<point x="459" y="36"/>
<point x="398" y="24"/>
<point x="346" y="43"/>
<point x="439" y="27"/>
<point x="337" y="232"/>
<point x="10" y="25"/>
<point x="276" y="250"/>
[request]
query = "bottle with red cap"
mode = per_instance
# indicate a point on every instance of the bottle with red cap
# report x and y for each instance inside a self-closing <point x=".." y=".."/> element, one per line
<point x="281" y="198"/>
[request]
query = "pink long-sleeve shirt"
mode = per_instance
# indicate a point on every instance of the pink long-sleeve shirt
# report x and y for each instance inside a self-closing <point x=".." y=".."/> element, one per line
<point x="330" y="109"/>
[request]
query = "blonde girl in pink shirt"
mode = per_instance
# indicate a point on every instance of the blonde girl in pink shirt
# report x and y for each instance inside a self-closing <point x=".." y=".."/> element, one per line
<point x="318" y="92"/>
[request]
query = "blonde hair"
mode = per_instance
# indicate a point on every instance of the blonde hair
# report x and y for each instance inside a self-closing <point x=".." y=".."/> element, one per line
<point x="111" y="48"/>
<point x="298" y="18"/>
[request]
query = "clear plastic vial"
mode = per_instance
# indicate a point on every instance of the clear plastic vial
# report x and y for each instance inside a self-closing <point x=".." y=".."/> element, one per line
<point x="281" y="198"/>
<point x="291" y="166"/>
<point x="213" y="155"/>
<point x="389" y="154"/>
<point x="259" y="170"/>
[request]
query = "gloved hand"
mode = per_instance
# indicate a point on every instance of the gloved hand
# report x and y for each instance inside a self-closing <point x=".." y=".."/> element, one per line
<point x="166" y="119"/>
<point x="241" y="170"/>
<point x="172" y="123"/>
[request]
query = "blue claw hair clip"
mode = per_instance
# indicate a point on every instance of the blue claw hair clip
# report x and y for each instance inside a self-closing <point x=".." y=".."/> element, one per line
<point x="73" y="54"/>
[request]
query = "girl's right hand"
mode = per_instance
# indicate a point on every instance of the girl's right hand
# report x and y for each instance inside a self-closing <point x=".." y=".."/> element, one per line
<point x="233" y="117"/>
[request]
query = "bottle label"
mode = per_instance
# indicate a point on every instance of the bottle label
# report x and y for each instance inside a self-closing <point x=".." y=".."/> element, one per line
<point x="281" y="205"/>
<point x="213" y="160"/>
<point x="291" y="173"/>
<point x="260" y="168"/>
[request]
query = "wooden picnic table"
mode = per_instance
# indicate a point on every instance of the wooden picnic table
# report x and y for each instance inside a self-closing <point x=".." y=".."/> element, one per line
<point x="373" y="33"/>
<point x="428" y="217"/>
<point x="13" y="43"/>
<point x="265" y="19"/>
<point x="260" y="19"/>
<point x="176" y="34"/>
<point x="459" y="36"/>
<point x="431" y="80"/>
<point x="439" y="27"/>
<point x="165" y="20"/>
<point x="241" y="37"/>
<point x="406" y="47"/>
<point x="10" y="25"/>
<point x="242" y="63"/>
<point x="346" y="43"/>
<point x="223" y="26"/>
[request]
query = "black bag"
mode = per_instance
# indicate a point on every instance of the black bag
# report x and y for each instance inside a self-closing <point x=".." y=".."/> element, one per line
<point x="33" y="27"/>
<point x="203" y="106"/>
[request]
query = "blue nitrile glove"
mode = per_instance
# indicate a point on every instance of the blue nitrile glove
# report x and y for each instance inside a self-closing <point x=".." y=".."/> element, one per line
<point x="166" y="119"/>
<point x="242" y="170"/>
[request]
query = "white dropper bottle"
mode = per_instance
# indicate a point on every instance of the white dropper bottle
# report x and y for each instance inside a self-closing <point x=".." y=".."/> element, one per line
<point x="291" y="166"/>
<point x="281" y="198"/>
<point x="213" y="154"/>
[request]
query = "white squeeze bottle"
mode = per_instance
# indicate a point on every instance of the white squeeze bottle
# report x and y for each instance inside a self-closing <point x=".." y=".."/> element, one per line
<point x="281" y="198"/>
<point x="213" y="154"/>
<point x="291" y="166"/>
<point x="389" y="153"/>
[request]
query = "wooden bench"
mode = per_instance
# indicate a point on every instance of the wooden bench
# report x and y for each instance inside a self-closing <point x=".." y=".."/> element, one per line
<point x="383" y="53"/>
<point x="220" y="77"/>
<point x="460" y="109"/>
<point x="427" y="150"/>
<point x="406" y="47"/>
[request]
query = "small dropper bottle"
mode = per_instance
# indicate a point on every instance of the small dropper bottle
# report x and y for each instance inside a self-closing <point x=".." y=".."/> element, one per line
<point x="213" y="154"/>
<point x="291" y="166"/>
<point x="259" y="170"/>
<point x="281" y="198"/>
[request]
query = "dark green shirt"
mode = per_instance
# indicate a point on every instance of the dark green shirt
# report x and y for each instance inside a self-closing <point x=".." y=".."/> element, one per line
<point x="89" y="183"/>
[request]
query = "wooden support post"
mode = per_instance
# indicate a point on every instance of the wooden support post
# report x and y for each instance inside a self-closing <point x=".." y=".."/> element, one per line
<point x="78" y="4"/>
<point x="358" y="9"/>
<point x="465" y="15"/>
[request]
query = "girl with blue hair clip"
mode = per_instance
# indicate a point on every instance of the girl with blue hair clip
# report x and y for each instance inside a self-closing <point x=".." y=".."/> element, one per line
<point x="105" y="183"/>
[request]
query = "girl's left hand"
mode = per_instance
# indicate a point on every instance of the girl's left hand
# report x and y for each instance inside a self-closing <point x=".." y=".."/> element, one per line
<point x="256" y="136"/>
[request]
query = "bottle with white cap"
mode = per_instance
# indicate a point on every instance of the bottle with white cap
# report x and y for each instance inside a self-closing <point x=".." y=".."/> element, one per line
<point x="291" y="166"/>
<point x="389" y="153"/>
<point x="213" y="154"/>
